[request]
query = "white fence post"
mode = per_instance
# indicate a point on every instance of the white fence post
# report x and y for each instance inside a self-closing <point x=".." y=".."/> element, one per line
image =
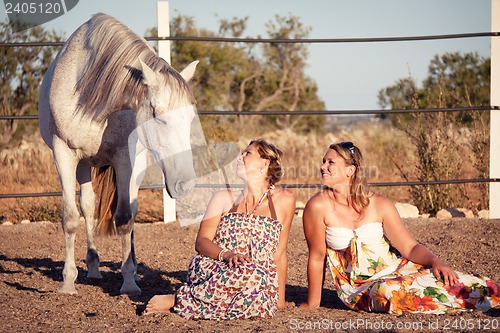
<point x="163" y="21"/>
<point x="495" y="114"/>
<point x="163" y="30"/>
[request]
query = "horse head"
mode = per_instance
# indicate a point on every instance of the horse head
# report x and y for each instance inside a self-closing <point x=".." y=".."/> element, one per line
<point x="165" y="115"/>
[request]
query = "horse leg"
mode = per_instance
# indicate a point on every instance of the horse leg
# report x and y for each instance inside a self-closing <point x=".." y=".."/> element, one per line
<point x="87" y="205"/>
<point x="124" y="220"/>
<point x="138" y="173"/>
<point x="66" y="163"/>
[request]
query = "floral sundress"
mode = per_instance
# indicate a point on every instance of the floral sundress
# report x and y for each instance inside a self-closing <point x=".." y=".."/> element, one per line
<point x="369" y="277"/>
<point x="215" y="291"/>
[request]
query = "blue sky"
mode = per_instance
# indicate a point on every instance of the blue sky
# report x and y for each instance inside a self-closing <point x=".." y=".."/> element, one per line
<point x="349" y="76"/>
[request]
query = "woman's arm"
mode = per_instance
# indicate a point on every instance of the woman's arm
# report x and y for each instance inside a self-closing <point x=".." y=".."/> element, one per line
<point x="404" y="242"/>
<point x="286" y="212"/>
<point x="204" y="244"/>
<point x="218" y="205"/>
<point x="315" y="232"/>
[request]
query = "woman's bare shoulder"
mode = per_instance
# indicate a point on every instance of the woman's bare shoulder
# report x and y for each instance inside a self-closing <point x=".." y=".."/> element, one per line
<point x="284" y="195"/>
<point x="317" y="201"/>
<point x="379" y="200"/>
<point x="382" y="205"/>
<point x="225" y="194"/>
<point x="224" y="198"/>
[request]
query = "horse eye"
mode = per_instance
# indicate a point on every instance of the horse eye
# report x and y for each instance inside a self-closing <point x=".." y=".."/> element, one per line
<point x="153" y="109"/>
<point x="155" y="116"/>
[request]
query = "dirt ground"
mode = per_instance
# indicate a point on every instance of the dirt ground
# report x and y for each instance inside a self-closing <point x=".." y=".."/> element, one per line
<point x="32" y="258"/>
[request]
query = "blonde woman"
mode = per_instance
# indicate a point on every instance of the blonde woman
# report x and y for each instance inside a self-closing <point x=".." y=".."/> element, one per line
<point x="352" y="227"/>
<point x="241" y="266"/>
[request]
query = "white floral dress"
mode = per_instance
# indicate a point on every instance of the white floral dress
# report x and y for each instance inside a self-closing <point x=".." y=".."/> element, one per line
<point x="369" y="277"/>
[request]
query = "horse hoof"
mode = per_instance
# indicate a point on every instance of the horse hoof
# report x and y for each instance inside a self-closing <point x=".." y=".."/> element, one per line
<point x="94" y="275"/>
<point x="130" y="290"/>
<point x="67" y="290"/>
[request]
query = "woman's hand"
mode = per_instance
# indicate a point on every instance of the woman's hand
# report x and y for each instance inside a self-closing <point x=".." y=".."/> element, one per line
<point x="440" y="269"/>
<point x="235" y="259"/>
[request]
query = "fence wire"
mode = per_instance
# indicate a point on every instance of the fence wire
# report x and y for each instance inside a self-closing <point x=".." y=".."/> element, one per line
<point x="288" y="186"/>
<point x="287" y="40"/>
<point x="283" y="112"/>
<point x="312" y="112"/>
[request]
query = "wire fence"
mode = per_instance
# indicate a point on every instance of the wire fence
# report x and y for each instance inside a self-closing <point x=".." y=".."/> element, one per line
<point x="286" y="40"/>
<point x="287" y="186"/>
<point x="298" y="112"/>
<point x="312" y="112"/>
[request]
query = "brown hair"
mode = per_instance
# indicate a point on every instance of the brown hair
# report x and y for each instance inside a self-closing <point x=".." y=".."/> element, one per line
<point x="359" y="194"/>
<point x="274" y="155"/>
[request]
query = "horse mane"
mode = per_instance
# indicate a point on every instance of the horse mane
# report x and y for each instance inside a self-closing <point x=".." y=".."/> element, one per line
<point x="110" y="82"/>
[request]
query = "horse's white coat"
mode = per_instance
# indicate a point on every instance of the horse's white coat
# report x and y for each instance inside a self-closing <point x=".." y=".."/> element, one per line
<point x="105" y="84"/>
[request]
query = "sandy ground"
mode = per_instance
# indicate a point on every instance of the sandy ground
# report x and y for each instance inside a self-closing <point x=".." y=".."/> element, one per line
<point x="32" y="258"/>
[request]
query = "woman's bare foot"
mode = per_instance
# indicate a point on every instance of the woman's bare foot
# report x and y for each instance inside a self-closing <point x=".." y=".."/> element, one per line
<point x="159" y="304"/>
<point x="286" y="305"/>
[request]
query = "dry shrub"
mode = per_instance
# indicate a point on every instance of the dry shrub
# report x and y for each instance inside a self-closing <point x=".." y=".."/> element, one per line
<point x="441" y="152"/>
<point x="29" y="168"/>
<point x="478" y="137"/>
<point x="304" y="152"/>
<point x="381" y="145"/>
<point x="390" y="156"/>
<point x="150" y="206"/>
<point x="29" y="163"/>
<point x="37" y="209"/>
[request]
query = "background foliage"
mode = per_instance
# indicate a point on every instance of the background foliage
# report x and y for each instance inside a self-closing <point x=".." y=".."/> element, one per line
<point x="444" y="143"/>
<point x="271" y="76"/>
<point x="249" y="77"/>
<point x="21" y="72"/>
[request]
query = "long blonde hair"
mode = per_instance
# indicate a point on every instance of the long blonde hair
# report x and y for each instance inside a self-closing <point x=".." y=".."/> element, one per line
<point x="358" y="192"/>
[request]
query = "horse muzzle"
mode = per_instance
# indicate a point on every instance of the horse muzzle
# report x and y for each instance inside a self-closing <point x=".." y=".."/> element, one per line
<point x="180" y="189"/>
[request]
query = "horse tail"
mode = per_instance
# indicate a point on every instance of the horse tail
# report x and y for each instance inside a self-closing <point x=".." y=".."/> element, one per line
<point x="104" y="184"/>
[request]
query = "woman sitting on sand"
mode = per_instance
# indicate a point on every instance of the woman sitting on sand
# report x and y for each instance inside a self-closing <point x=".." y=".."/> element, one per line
<point x="348" y="225"/>
<point x="241" y="266"/>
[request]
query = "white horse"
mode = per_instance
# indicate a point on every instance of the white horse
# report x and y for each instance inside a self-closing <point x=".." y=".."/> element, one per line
<point x="107" y="92"/>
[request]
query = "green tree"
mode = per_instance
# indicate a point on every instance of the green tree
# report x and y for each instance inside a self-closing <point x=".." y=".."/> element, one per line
<point x="246" y="77"/>
<point x="21" y="72"/>
<point x="444" y="141"/>
<point x="285" y="85"/>
<point x="454" y="80"/>
<point x="458" y="80"/>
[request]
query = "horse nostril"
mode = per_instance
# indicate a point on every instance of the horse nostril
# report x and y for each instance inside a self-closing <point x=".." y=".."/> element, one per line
<point x="184" y="187"/>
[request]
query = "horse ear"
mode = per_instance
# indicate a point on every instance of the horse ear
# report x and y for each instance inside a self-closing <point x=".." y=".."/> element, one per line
<point x="148" y="76"/>
<point x="188" y="72"/>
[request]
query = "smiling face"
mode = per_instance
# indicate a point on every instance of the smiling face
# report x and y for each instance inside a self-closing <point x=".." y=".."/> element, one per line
<point x="250" y="164"/>
<point x="335" y="170"/>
